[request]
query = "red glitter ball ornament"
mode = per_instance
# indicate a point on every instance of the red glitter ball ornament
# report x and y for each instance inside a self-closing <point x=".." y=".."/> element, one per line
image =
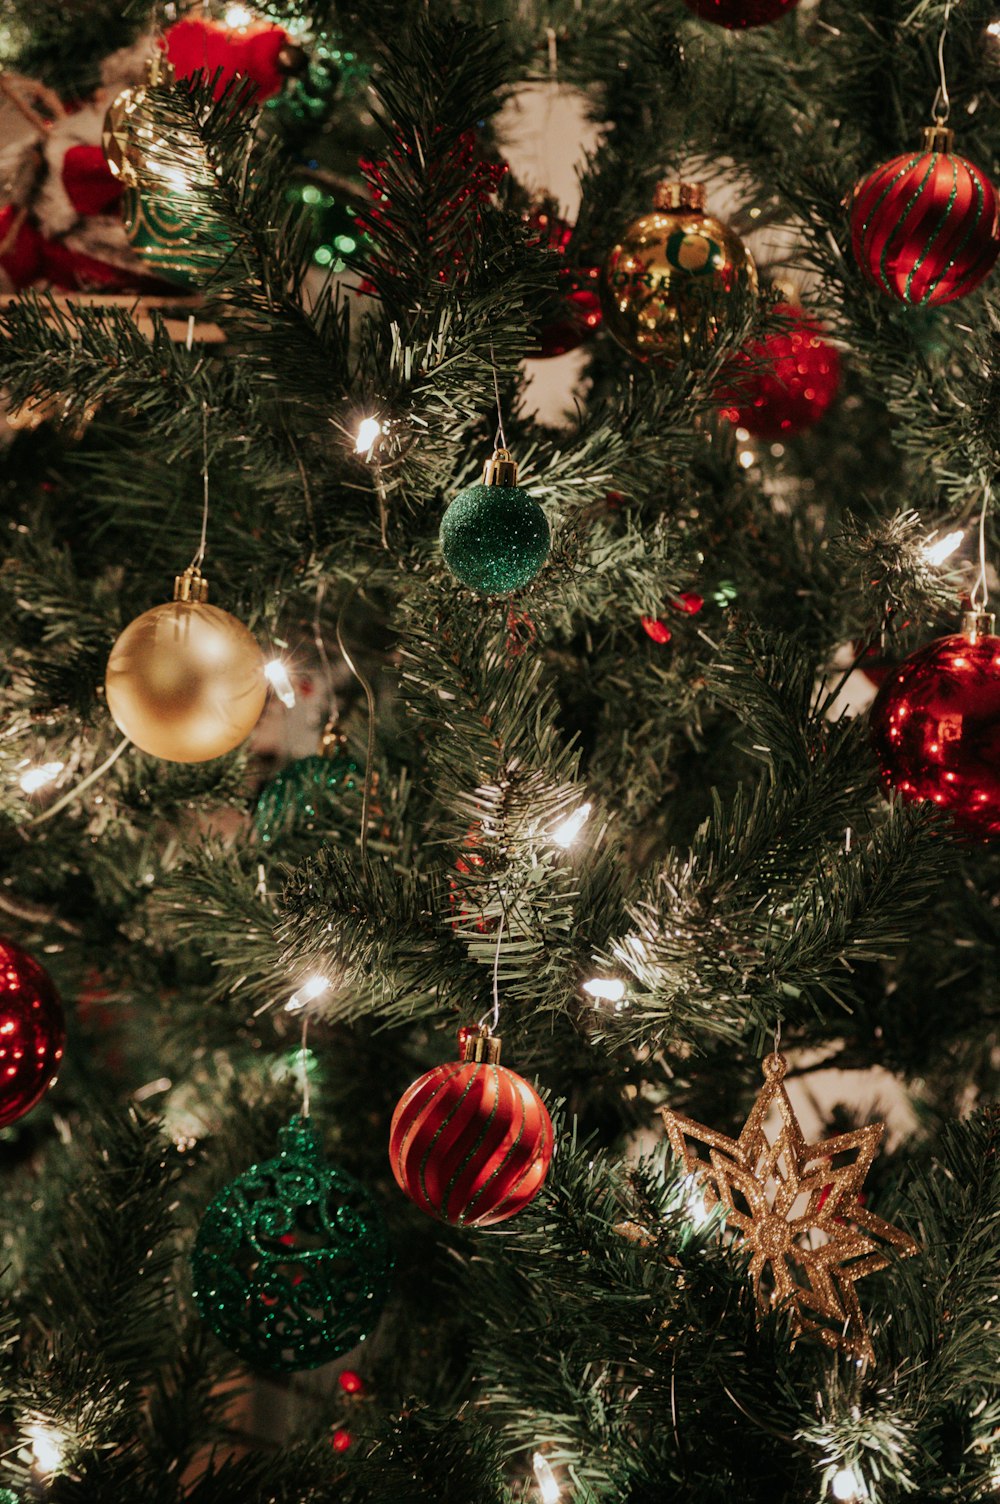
<point x="739" y="14"/>
<point x="924" y="226"/>
<point x="471" y="1141"/>
<point x="784" y="383"/>
<point x="578" y="314"/>
<point x="32" y="1032"/>
<point x="935" y="726"/>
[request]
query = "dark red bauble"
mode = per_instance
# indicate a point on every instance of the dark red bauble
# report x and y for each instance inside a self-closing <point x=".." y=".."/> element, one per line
<point x="32" y="1032"/>
<point x="935" y="728"/>
<point x="783" y="384"/>
<point x="471" y="1141"/>
<point x="739" y="14"/>
<point x="924" y="226"/>
<point x="577" y="315"/>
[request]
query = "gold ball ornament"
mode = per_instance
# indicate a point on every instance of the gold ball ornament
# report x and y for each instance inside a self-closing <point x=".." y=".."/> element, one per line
<point x="185" y="681"/>
<point x="668" y="286"/>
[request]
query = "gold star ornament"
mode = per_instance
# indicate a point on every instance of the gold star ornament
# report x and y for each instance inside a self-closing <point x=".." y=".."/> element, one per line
<point x="797" y="1209"/>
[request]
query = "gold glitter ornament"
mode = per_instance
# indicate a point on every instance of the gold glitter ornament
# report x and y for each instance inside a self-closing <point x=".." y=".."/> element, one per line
<point x="673" y="281"/>
<point x="127" y="135"/>
<point x="185" y="681"/>
<point x="796" y="1207"/>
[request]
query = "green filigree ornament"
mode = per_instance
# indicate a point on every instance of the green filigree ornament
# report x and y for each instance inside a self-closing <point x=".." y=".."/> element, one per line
<point x="182" y="246"/>
<point x="295" y="798"/>
<point x="291" y="1264"/>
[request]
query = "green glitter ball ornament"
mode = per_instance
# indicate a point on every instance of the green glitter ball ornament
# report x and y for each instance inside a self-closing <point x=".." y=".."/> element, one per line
<point x="294" y="798"/>
<point x="495" y="537"/>
<point x="291" y="1264"/>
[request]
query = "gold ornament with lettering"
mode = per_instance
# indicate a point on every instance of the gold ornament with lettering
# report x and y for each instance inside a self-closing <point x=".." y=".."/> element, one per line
<point x="674" y="280"/>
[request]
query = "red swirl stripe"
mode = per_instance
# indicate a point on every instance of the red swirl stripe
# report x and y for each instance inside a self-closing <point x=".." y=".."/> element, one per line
<point x="924" y="227"/>
<point x="470" y="1144"/>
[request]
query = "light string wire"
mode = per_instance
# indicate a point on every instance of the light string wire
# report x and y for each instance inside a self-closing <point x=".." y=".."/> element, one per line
<point x="500" y="435"/>
<point x="370" y="700"/>
<point x="304" y="1064"/>
<point x="83" y="785"/>
<point x="199" y="557"/>
<point x="980" y="596"/>
<point x="941" y="107"/>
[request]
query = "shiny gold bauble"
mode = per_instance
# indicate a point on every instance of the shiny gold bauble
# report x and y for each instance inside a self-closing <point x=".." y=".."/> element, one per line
<point x="667" y="288"/>
<point x="185" y="681"/>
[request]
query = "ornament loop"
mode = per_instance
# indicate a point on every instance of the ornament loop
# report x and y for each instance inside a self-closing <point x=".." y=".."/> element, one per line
<point x="191" y="586"/>
<point x="938" y="137"/>
<point x="774" y="1066"/>
<point x="674" y="195"/>
<point x="479" y="1046"/>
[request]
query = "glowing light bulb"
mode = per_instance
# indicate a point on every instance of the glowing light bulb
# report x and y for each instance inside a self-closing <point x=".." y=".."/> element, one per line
<point x="276" y="675"/>
<point x="238" y="16"/>
<point x="939" y="549"/>
<point x="694" y="1200"/>
<point x="370" y="431"/>
<point x="847" y="1485"/>
<point x="307" y="993"/>
<point x="747" y="458"/>
<point x="567" y="830"/>
<point x="34" y="779"/>
<point x="46" y="1446"/>
<point x="605" y="989"/>
<point x="549" y="1491"/>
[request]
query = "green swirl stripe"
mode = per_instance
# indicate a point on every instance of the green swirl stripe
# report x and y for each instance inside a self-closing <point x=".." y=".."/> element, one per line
<point x="972" y="230"/>
<point x="887" y="285"/>
<point x="506" y="1159"/>
<point x="928" y="244"/>
<point x="475" y="1148"/>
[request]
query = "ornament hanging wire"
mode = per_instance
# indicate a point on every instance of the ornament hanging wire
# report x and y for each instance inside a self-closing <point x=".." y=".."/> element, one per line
<point x="941" y="107"/>
<point x="501" y="438"/>
<point x="494" y="1015"/>
<point x="199" y="557"/>
<point x="980" y="590"/>
<point x="304" y="1062"/>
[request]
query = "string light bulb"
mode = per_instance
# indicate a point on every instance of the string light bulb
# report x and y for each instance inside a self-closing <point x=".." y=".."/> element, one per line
<point x="847" y="1486"/>
<point x="238" y="17"/>
<point x="605" y="989"/>
<point x="549" y="1491"/>
<point x="46" y="1447"/>
<point x="276" y="675"/>
<point x="307" y="993"/>
<point x="33" y="779"/>
<point x="370" y="431"/>
<point x="567" y="830"/>
<point x="936" y="550"/>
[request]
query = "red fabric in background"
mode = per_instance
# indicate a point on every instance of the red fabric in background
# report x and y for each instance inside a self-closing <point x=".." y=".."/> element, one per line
<point x="251" y="51"/>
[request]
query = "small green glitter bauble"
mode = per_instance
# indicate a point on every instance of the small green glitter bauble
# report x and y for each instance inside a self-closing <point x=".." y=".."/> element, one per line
<point x="495" y="538"/>
<point x="291" y="1264"/>
<point x="294" y="798"/>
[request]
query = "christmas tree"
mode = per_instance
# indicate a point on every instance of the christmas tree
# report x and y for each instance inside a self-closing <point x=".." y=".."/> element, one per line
<point x="499" y="539"/>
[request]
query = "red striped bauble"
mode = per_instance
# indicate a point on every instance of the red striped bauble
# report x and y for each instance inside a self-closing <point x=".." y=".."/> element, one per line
<point x="471" y="1141"/>
<point x="924" y="226"/>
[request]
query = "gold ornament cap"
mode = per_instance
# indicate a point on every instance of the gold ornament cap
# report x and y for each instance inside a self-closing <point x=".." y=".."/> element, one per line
<point x="500" y="469"/>
<point x="159" y="69"/>
<point x="191" y="586"/>
<point x="938" y="137"/>
<point x="479" y="1046"/>
<point x="673" y="195"/>
<point x="976" y="624"/>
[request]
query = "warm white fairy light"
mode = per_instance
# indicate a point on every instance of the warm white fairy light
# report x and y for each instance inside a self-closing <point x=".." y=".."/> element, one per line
<point x="936" y="550"/>
<point x="694" y="1201"/>
<point x="370" y="431"/>
<point x="549" y="1491"/>
<point x="33" y="779"/>
<point x="307" y="993"/>
<point x="605" y="989"/>
<point x="238" y="16"/>
<point x="846" y="1485"/>
<point x="567" y="830"/>
<point x="46" y="1447"/>
<point x="276" y="675"/>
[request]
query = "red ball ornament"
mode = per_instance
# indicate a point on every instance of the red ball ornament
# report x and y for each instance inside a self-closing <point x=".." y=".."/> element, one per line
<point x="737" y="15"/>
<point x="471" y="1141"/>
<point x="578" y="315"/>
<point x="924" y="226"/>
<point x="32" y="1032"/>
<point x="935" y="725"/>
<point x="784" y="383"/>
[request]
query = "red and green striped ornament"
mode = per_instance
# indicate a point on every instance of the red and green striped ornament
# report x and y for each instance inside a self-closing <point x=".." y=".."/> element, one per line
<point x="471" y="1141"/>
<point x="924" y="226"/>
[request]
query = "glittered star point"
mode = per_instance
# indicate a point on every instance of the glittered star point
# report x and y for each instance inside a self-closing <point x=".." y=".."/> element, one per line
<point x="797" y="1209"/>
